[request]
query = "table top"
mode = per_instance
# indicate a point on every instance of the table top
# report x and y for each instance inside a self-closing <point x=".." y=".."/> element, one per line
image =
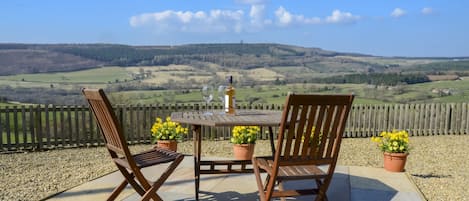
<point x="241" y="118"/>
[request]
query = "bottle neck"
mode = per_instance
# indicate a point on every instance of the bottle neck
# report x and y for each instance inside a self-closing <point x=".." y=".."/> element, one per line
<point x="230" y="81"/>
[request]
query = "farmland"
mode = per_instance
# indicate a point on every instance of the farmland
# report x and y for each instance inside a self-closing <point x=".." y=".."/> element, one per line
<point x="268" y="93"/>
<point x="263" y="73"/>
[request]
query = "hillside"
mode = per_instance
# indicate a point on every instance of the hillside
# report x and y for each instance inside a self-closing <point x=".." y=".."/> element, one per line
<point x="54" y="73"/>
<point x="43" y="58"/>
<point x="41" y="61"/>
<point x="34" y="58"/>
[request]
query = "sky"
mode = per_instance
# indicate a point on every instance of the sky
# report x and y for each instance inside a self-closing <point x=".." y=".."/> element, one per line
<point x="411" y="28"/>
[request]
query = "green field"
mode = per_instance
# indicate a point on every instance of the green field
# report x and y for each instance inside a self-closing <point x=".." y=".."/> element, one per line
<point x="271" y="94"/>
<point x="97" y="76"/>
<point x="417" y="93"/>
<point x="7" y="104"/>
<point x="13" y="139"/>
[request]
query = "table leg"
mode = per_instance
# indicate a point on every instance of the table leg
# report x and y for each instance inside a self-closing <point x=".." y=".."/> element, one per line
<point x="271" y="137"/>
<point x="196" y="130"/>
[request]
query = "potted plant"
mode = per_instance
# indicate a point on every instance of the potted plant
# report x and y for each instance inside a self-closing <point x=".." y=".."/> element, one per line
<point x="167" y="133"/>
<point x="395" y="147"/>
<point x="244" y="139"/>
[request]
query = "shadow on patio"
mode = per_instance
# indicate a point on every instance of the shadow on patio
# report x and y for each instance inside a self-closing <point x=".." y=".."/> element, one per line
<point x="349" y="183"/>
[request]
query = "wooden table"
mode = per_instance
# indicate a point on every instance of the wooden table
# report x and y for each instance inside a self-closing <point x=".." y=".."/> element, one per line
<point x="242" y="118"/>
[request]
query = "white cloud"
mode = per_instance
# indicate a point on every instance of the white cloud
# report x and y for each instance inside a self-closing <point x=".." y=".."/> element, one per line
<point x="216" y="21"/>
<point x="257" y="15"/>
<point x="285" y="18"/>
<point x="257" y="11"/>
<point x="200" y="21"/>
<point x="342" y="17"/>
<point x="398" y="12"/>
<point x="427" y="11"/>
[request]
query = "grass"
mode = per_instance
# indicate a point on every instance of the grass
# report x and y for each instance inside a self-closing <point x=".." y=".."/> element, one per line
<point x="2" y="104"/>
<point x="284" y="69"/>
<point x="275" y="94"/>
<point x="109" y="75"/>
<point x="13" y="138"/>
<point x="390" y="61"/>
<point x="262" y="94"/>
<point x="271" y="94"/>
<point x="98" y="75"/>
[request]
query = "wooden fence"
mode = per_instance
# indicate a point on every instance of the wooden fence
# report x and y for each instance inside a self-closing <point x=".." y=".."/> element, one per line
<point x="46" y="127"/>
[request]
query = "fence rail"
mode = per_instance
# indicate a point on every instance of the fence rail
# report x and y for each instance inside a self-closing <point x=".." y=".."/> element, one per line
<point x="46" y="127"/>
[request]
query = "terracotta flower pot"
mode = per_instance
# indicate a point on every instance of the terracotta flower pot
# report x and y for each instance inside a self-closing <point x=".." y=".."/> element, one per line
<point x="243" y="151"/>
<point x="395" y="162"/>
<point x="168" y="144"/>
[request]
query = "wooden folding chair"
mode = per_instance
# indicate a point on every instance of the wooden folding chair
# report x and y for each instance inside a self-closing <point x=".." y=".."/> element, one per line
<point x="310" y="133"/>
<point x="129" y="165"/>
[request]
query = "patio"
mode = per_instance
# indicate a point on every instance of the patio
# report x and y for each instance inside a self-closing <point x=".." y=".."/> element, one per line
<point x="349" y="183"/>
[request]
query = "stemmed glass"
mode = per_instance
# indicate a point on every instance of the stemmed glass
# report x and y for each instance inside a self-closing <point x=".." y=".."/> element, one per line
<point x="221" y="97"/>
<point x="207" y="94"/>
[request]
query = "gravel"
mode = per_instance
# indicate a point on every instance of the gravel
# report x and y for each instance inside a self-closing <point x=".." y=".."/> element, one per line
<point x="436" y="164"/>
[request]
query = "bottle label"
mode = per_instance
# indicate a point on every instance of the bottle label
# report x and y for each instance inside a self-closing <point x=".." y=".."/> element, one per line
<point x="227" y="103"/>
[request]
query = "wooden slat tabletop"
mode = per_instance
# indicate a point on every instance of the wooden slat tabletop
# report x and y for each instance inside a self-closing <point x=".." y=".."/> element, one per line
<point x="242" y="118"/>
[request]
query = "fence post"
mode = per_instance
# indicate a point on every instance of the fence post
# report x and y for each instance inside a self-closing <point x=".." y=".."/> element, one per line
<point x="1" y="131"/>
<point x="120" y="115"/>
<point x="8" y="128"/>
<point x="47" y="134"/>
<point x="463" y="119"/>
<point x="450" y="116"/>
<point x="37" y="127"/>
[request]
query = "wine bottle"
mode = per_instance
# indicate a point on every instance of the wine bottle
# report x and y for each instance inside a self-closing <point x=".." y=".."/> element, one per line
<point x="230" y="103"/>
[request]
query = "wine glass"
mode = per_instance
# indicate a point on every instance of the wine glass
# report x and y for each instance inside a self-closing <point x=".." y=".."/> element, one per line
<point x="207" y="94"/>
<point x="221" y="97"/>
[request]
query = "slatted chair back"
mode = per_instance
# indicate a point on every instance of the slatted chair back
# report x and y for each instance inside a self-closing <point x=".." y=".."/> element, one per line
<point x="129" y="165"/>
<point x="310" y="134"/>
<point x="311" y="129"/>
<point x="108" y="123"/>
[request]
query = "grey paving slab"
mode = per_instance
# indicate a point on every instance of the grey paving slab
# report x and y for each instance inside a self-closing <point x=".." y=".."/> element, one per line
<point x="378" y="184"/>
<point x="348" y="183"/>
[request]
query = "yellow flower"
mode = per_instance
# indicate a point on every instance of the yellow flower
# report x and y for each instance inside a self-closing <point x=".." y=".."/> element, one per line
<point x="396" y="141"/>
<point x="167" y="130"/>
<point x="244" y="134"/>
<point x="376" y="139"/>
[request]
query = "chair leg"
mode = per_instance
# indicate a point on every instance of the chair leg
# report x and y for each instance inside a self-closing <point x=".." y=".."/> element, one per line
<point x="151" y="192"/>
<point x="151" y="195"/>
<point x="130" y="179"/>
<point x="260" y="186"/>
<point x="266" y="181"/>
<point x="270" y="188"/>
<point x="117" y="190"/>
<point x="321" y="196"/>
<point x="144" y="184"/>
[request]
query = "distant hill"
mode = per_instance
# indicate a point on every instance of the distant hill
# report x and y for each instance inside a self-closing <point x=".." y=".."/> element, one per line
<point x="184" y="68"/>
<point x="39" y="58"/>
<point x="43" y="58"/>
<point x="16" y="59"/>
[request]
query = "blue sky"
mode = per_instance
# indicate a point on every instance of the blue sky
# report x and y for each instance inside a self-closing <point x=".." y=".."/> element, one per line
<point x="377" y="27"/>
